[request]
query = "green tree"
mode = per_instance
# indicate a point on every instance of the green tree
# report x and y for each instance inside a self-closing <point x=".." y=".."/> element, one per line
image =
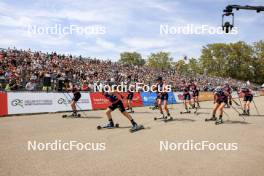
<point x="181" y="67"/>
<point x="194" y="66"/>
<point x="236" y="60"/>
<point x="131" y="58"/>
<point x="214" y="59"/>
<point x="258" y="62"/>
<point x="160" y="60"/>
<point x="240" y="61"/>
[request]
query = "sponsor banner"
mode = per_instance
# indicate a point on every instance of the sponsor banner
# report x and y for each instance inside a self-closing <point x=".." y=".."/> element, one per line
<point x="100" y="102"/>
<point x="83" y="104"/>
<point x="171" y="99"/>
<point x="178" y="96"/>
<point x="136" y="101"/>
<point x="149" y="98"/>
<point x="206" y="96"/>
<point x="3" y="104"/>
<point x="203" y="96"/>
<point x="28" y="102"/>
<point x="255" y="94"/>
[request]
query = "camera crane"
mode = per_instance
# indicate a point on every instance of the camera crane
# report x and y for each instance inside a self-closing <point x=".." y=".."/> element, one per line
<point x="228" y="11"/>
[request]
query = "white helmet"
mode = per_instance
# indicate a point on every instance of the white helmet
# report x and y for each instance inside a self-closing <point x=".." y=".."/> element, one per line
<point x="244" y="86"/>
<point x="218" y="89"/>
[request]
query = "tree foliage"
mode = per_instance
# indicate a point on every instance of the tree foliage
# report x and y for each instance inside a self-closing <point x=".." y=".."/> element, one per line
<point x="131" y="58"/>
<point x="160" y="60"/>
<point x="235" y="60"/>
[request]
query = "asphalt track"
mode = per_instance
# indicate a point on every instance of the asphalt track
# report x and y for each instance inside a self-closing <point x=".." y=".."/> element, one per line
<point x="133" y="154"/>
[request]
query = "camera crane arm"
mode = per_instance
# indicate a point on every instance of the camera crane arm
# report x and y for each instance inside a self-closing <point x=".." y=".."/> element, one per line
<point x="229" y="8"/>
<point x="228" y="11"/>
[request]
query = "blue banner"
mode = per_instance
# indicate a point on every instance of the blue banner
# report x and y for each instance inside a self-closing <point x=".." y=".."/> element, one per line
<point x="149" y="98"/>
<point x="172" y="99"/>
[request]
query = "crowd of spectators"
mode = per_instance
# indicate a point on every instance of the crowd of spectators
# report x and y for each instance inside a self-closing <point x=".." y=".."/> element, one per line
<point x="37" y="71"/>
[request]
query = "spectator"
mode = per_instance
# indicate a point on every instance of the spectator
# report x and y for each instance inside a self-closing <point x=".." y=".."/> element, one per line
<point x="48" y="70"/>
<point x="47" y="82"/>
<point x="31" y="85"/>
<point x="1" y="88"/>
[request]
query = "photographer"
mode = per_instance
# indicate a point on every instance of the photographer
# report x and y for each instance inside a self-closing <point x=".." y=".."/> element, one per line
<point x="47" y="82"/>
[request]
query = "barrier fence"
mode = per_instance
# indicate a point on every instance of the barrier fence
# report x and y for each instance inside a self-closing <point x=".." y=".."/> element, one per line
<point x="41" y="102"/>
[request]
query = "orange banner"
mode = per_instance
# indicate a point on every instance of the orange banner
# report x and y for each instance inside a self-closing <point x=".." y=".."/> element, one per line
<point x="206" y="96"/>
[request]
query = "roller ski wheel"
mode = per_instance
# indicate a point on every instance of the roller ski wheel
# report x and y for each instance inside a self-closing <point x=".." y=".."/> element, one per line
<point x="218" y="122"/>
<point x="99" y="127"/>
<point x="136" y="128"/>
<point x="185" y="112"/>
<point x="244" y="114"/>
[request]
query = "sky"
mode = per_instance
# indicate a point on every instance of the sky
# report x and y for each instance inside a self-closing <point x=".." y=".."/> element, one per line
<point x="123" y="25"/>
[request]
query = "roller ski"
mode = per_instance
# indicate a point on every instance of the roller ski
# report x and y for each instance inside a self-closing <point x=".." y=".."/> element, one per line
<point x="211" y="119"/>
<point x="193" y="106"/>
<point x="185" y="112"/>
<point x="227" y="106"/>
<point x="167" y="119"/>
<point x="235" y="103"/>
<point x="245" y="113"/>
<point x="219" y="121"/>
<point x="130" y="111"/>
<point x="108" y="126"/>
<point x="162" y="117"/>
<point x="154" y="107"/>
<point x="136" y="128"/>
<point x="196" y="110"/>
<point x="73" y="115"/>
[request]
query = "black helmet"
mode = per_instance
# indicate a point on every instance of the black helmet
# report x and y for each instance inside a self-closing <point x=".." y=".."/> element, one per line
<point x="159" y="78"/>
